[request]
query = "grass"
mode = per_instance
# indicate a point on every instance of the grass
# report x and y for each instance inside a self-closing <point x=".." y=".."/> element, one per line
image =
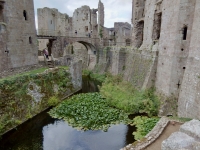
<point x="181" y="119"/>
<point x="64" y="67"/>
<point x="40" y="70"/>
<point x="32" y="72"/>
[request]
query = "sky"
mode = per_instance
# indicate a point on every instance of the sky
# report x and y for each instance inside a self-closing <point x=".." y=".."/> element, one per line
<point x="115" y="10"/>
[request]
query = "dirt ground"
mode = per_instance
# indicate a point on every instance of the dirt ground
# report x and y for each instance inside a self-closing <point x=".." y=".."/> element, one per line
<point x="166" y="133"/>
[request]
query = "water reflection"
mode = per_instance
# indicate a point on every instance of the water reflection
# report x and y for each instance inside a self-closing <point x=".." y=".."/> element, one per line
<point x="60" y="136"/>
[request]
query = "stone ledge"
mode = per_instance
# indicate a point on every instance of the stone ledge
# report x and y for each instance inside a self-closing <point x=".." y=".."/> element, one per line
<point x="150" y="137"/>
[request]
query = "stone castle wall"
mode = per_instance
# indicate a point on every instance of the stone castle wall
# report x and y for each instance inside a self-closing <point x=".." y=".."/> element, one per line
<point x="18" y="43"/>
<point x="53" y="23"/>
<point x="189" y="97"/>
<point x="169" y="29"/>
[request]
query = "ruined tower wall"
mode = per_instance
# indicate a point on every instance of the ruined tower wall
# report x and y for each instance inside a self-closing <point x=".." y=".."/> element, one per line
<point x="3" y="39"/>
<point x="148" y="18"/>
<point x="173" y="50"/>
<point x="21" y="33"/>
<point x="100" y="15"/>
<point x="94" y="22"/>
<point x="138" y="22"/>
<point x="82" y="21"/>
<point x="189" y="99"/>
<point x="122" y="32"/>
<point x="52" y="22"/>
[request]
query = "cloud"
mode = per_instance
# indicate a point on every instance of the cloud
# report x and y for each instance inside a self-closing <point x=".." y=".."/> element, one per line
<point x="115" y="10"/>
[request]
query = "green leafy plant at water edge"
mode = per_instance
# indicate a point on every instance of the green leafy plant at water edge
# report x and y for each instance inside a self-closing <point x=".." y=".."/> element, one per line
<point x="86" y="72"/>
<point x="94" y="76"/>
<point x="53" y="101"/>
<point x="144" y="125"/>
<point x="89" y="112"/>
<point x="123" y="95"/>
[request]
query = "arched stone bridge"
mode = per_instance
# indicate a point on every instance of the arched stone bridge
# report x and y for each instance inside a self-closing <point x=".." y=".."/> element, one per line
<point x="91" y="42"/>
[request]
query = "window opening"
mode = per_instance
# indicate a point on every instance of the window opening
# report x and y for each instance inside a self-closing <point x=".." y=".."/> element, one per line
<point x="157" y="26"/>
<point x="185" y="33"/>
<point x="1" y="13"/>
<point x="86" y="28"/>
<point x="25" y="14"/>
<point x="140" y="28"/>
<point x="30" y="40"/>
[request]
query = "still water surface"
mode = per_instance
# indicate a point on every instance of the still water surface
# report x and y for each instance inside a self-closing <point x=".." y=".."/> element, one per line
<point x="45" y="133"/>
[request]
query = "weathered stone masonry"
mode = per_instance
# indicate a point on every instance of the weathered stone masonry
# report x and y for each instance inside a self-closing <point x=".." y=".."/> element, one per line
<point x="169" y="28"/>
<point x="17" y="34"/>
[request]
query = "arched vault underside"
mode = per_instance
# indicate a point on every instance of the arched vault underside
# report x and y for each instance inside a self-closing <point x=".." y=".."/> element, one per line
<point x="92" y="51"/>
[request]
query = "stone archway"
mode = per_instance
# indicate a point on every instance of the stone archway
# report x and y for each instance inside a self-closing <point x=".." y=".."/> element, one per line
<point x="90" y="58"/>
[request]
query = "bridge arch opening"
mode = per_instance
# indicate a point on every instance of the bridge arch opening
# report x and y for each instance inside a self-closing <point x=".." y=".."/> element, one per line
<point x="84" y="51"/>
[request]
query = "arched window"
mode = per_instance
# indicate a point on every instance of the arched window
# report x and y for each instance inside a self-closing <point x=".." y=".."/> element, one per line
<point x="25" y="15"/>
<point x="30" y="40"/>
<point x="185" y="32"/>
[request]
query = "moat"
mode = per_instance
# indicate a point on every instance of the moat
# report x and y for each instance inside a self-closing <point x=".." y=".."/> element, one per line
<point x="44" y="132"/>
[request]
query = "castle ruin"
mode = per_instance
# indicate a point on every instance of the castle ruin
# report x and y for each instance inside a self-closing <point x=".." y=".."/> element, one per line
<point x="161" y="52"/>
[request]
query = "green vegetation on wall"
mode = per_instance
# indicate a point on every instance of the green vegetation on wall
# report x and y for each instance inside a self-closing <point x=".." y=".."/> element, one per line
<point x="25" y="95"/>
<point x="101" y="33"/>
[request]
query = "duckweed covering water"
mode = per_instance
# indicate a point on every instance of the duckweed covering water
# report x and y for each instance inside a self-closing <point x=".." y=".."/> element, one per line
<point x="89" y="112"/>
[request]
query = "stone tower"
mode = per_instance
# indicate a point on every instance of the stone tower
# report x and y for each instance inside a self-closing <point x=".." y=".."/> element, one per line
<point x="100" y="15"/>
<point x="17" y="30"/>
<point x="3" y="38"/>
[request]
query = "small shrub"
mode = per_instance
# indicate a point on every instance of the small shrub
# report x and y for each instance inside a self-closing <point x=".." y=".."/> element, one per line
<point x="123" y="95"/>
<point x="53" y="101"/>
<point x="86" y="72"/>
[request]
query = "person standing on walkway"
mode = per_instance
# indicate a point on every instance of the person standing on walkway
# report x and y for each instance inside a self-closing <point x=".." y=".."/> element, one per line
<point x="46" y="53"/>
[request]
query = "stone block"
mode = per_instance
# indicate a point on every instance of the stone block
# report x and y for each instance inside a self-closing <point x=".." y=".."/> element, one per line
<point x="178" y="140"/>
<point x="191" y="128"/>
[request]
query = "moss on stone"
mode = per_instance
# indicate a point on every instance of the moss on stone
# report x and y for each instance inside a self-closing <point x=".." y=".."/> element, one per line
<point x="24" y="96"/>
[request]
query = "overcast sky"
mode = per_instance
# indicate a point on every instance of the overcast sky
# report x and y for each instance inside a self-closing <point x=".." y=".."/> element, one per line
<point x="115" y="10"/>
